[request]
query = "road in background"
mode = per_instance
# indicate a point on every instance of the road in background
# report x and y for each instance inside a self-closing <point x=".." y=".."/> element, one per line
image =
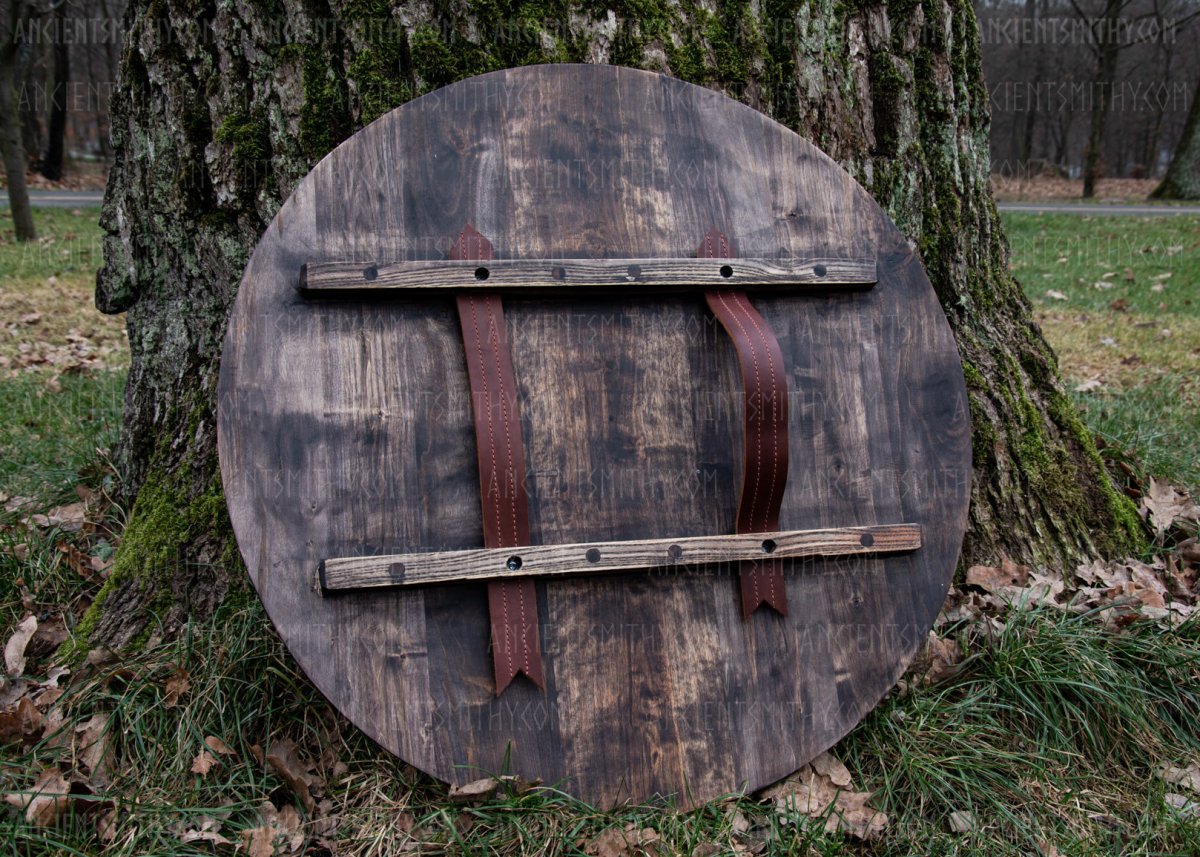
<point x="63" y="198"/>
<point x="93" y="198"/>
<point x="1093" y="209"/>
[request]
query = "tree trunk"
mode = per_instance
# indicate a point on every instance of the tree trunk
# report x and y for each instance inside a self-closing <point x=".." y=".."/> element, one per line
<point x="215" y="123"/>
<point x="1182" y="180"/>
<point x="1029" y="123"/>
<point x="52" y="164"/>
<point x="10" y="126"/>
<point x="1107" y="50"/>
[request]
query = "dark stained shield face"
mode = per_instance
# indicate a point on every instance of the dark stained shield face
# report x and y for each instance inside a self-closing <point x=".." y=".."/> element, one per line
<point x="347" y="430"/>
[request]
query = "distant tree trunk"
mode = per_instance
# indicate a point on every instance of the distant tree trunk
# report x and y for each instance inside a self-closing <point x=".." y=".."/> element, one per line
<point x="10" y="125"/>
<point x="1182" y="180"/>
<point x="1025" y="152"/>
<point x="112" y="61"/>
<point x="28" y="80"/>
<point x="1107" y="52"/>
<point x="1061" y="137"/>
<point x="52" y="164"/>
<point x="1165" y="53"/>
<point x="214" y="124"/>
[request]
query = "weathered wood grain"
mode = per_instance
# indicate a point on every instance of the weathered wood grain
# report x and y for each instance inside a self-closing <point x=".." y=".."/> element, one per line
<point x="345" y="430"/>
<point x="421" y="569"/>
<point x="609" y="274"/>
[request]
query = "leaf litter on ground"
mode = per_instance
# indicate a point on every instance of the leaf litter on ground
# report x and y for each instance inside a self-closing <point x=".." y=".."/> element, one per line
<point x="822" y="793"/>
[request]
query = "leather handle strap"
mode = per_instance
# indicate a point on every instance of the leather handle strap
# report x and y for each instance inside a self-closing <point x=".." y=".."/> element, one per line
<point x="764" y="383"/>
<point x="512" y="604"/>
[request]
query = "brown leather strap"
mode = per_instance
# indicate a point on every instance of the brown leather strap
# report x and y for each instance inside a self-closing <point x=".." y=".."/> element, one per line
<point x="512" y="604"/>
<point x="764" y="382"/>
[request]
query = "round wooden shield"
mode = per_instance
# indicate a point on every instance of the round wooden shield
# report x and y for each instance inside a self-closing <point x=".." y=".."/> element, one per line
<point x="568" y="207"/>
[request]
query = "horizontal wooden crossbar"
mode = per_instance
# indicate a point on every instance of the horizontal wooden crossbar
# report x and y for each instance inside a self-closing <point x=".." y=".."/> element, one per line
<point x="592" y="273"/>
<point x="414" y="569"/>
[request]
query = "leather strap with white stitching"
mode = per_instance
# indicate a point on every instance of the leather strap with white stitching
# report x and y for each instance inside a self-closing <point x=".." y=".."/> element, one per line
<point x="764" y="382"/>
<point x="512" y="604"/>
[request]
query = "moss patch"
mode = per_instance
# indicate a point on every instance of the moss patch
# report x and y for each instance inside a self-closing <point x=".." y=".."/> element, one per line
<point x="249" y="135"/>
<point x="324" y="116"/>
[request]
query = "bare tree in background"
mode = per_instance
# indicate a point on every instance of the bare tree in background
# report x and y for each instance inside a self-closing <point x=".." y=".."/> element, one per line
<point x="1183" y="175"/>
<point x="52" y="163"/>
<point x="1105" y="48"/>
<point x="10" y="123"/>
<point x="1087" y="86"/>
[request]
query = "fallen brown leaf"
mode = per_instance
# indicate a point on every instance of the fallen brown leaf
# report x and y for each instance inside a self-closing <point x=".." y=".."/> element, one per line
<point x="856" y="818"/>
<point x="203" y="763"/>
<point x="16" y="504"/>
<point x="94" y="748"/>
<point x="994" y="578"/>
<point x="210" y="836"/>
<point x="259" y="841"/>
<point x="22" y="721"/>
<point x="1189" y="549"/>
<point x="961" y="821"/>
<point x="106" y="826"/>
<point x="69" y="518"/>
<point x="621" y="842"/>
<point x="19" y="551"/>
<point x="280" y="829"/>
<point x="944" y="657"/>
<point x="14" y="649"/>
<point x="175" y="687"/>
<point x="476" y="790"/>
<point x="100" y="658"/>
<point x="1133" y="580"/>
<point x="201" y="828"/>
<point x="809" y="793"/>
<point x="48" y="637"/>
<point x="827" y="765"/>
<point x="1188" y="777"/>
<point x="1165" y="505"/>
<point x="1044" y="588"/>
<point x="1185" y="806"/>
<point x="285" y="760"/>
<point x="48" y="797"/>
<point x="217" y="746"/>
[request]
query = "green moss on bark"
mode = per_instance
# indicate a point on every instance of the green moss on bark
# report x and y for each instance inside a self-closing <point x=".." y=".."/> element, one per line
<point x="324" y="117"/>
<point x="249" y="137"/>
<point x="154" y="547"/>
<point x="1128" y="535"/>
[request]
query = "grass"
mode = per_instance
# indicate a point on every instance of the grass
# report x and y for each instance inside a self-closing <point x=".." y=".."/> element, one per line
<point x="46" y="287"/>
<point x="48" y="435"/>
<point x="1119" y="299"/>
<point x="1050" y="736"/>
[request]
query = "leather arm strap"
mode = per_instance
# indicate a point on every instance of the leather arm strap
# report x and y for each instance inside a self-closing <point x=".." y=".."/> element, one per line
<point x="764" y="382"/>
<point x="512" y="604"/>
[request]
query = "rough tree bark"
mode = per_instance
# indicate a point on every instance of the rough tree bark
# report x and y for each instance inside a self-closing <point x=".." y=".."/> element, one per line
<point x="1182" y="180"/>
<point x="222" y="108"/>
